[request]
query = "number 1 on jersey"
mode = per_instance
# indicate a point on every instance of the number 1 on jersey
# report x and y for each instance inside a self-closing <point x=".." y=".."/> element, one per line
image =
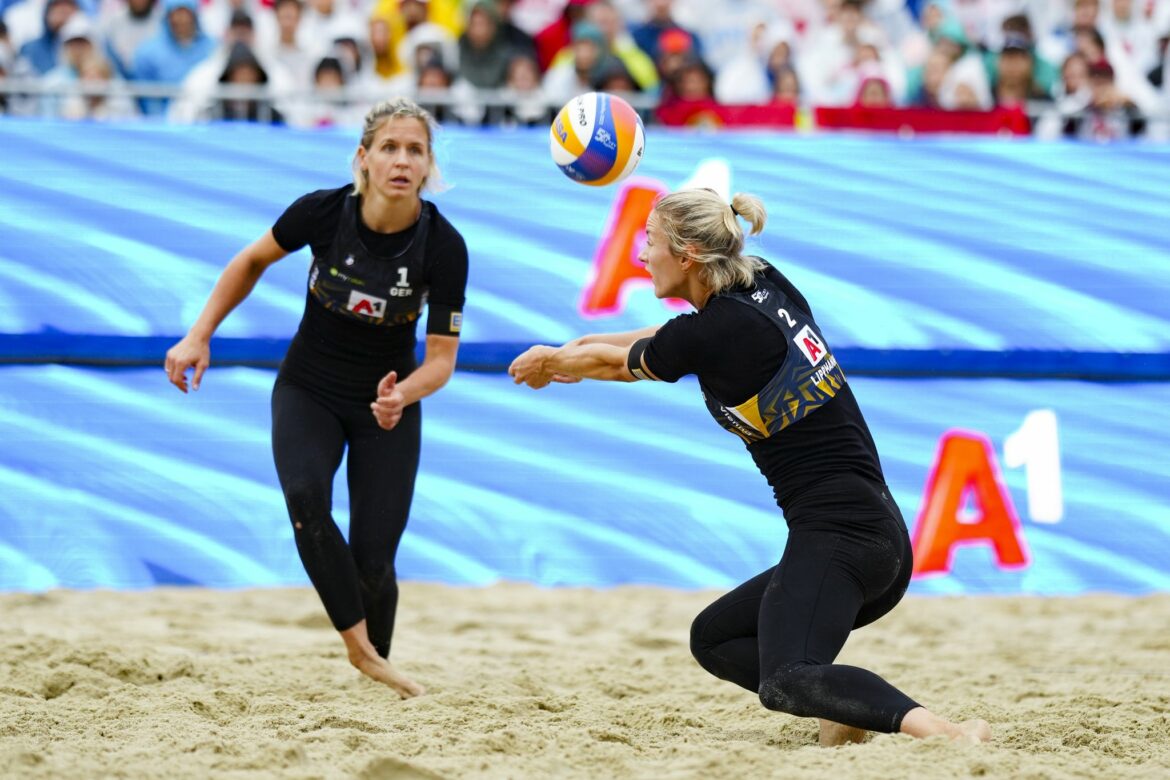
<point x="402" y="277"/>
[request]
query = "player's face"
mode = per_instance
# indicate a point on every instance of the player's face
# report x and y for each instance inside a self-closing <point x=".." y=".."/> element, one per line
<point x="399" y="158"/>
<point x="665" y="267"/>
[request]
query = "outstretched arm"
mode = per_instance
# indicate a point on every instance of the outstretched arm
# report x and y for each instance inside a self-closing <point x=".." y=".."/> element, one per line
<point x="624" y="340"/>
<point x="234" y="285"/>
<point x="541" y="365"/>
<point x="616" y="339"/>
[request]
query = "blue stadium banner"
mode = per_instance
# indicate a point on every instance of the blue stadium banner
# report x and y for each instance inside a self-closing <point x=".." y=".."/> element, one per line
<point x="112" y="478"/>
<point x="996" y="265"/>
<point x="1012" y="254"/>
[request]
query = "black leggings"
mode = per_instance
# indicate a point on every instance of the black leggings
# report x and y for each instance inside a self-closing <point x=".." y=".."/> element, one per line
<point x="309" y="435"/>
<point x="778" y="634"/>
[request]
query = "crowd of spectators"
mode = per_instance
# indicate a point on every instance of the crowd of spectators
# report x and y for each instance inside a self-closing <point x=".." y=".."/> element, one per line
<point x="1101" y="65"/>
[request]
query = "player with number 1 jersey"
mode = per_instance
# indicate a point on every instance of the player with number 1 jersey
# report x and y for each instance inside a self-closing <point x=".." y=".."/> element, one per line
<point x="350" y="384"/>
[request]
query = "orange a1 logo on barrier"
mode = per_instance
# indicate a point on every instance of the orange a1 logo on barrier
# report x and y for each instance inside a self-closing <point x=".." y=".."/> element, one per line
<point x="965" y="470"/>
<point x="965" y="466"/>
<point x="616" y="262"/>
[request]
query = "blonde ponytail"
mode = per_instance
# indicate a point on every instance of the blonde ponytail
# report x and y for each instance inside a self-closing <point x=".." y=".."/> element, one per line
<point x="700" y="224"/>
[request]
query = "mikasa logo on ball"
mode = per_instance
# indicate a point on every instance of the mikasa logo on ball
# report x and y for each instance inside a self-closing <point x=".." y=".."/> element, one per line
<point x="605" y="138"/>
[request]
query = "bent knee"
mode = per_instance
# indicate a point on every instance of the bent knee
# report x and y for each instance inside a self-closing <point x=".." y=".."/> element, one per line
<point x="788" y="691"/>
<point x="700" y="648"/>
<point x="356" y="658"/>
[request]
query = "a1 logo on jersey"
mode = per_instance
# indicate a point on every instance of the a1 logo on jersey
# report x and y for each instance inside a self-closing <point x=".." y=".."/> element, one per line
<point x="369" y="305"/>
<point x="810" y="344"/>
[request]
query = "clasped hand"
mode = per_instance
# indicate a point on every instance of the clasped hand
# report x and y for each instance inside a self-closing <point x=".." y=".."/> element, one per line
<point x="529" y="369"/>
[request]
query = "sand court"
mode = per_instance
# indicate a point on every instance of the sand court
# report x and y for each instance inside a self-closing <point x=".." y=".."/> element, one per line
<point x="572" y="683"/>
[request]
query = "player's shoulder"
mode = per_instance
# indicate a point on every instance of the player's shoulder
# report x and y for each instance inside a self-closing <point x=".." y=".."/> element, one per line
<point x="774" y="275"/>
<point x="696" y="340"/>
<point x="444" y="235"/>
<point x="724" y="310"/>
<point x="311" y="219"/>
<point x="706" y="325"/>
<point x="322" y="202"/>
<point x="440" y="223"/>
<point x="738" y="315"/>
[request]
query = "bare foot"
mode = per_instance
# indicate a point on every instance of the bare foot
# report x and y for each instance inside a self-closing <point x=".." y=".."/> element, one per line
<point x="377" y="668"/>
<point x="834" y="734"/>
<point x="973" y="731"/>
<point x="921" y="722"/>
<point x="367" y="661"/>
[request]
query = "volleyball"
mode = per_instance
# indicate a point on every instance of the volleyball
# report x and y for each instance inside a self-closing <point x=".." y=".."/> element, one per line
<point x="597" y="139"/>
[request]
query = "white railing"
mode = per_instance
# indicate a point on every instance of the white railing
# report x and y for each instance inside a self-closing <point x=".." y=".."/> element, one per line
<point x="35" y="97"/>
<point x="27" y="96"/>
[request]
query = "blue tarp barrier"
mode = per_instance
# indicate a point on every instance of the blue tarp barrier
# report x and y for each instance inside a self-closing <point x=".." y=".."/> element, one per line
<point x="1054" y="251"/>
<point x="937" y="257"/>
<point x="112" y="478"/>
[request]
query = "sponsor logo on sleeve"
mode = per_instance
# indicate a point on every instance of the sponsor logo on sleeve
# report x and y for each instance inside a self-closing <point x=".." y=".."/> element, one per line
<point x="456" y="321"/>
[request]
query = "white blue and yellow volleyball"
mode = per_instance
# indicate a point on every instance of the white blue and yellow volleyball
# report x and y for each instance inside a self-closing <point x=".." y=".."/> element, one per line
<point x="597" y="139"/>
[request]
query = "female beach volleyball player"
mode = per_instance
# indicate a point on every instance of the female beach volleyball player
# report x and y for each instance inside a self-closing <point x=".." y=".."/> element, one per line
<point x="768" y="376"/>
<point x="350" y="377"/>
